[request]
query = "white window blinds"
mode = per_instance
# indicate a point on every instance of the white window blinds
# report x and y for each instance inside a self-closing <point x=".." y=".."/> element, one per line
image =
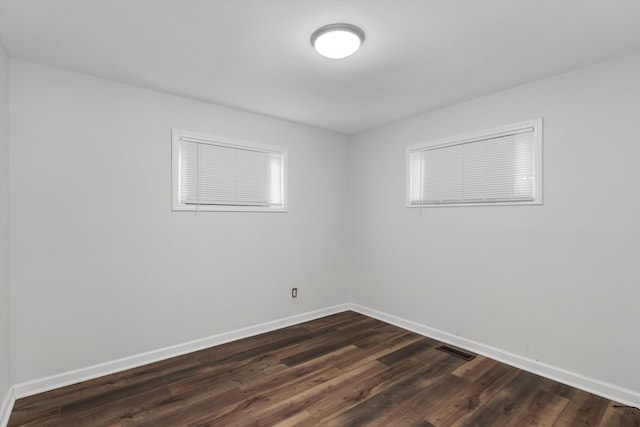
<point x="216" y="175"/>
<point x="498" y="166"/>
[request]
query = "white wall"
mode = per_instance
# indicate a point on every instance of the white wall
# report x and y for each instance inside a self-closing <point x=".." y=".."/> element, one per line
<point x="5" y="341"/>
<point x="557" y="283"/>
<point x="102" y="268"/>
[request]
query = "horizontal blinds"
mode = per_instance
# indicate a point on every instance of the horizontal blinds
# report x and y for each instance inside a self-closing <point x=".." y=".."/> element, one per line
<point x="213" y="174"/>
<point x="494" y="169"/>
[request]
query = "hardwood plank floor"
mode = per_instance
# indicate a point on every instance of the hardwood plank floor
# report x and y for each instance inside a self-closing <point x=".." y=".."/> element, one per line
<point x="341" y="370"/>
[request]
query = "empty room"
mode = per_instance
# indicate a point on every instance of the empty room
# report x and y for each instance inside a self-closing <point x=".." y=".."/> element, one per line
<point x="319" y="212"/>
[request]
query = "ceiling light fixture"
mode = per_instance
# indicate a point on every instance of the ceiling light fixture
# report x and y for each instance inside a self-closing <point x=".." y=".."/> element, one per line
<point x="337" y="41"/>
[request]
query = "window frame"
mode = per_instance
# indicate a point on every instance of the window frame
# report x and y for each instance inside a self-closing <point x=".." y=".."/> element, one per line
<point x="536" y="124"/>
<point x="177" y="135"/>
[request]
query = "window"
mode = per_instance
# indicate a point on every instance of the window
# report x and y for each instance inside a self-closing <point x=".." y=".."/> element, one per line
<point x="216" y="174"/>
<point x="495" y="167"/>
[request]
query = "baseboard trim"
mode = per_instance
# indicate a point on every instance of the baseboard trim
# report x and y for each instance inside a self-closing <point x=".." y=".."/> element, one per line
<point x="7" y="406"/>
<point x="591" y="385"/>
<point x="90" y="372"/>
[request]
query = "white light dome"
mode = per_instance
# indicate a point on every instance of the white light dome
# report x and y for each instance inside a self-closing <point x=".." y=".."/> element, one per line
<point x="337" y="41"/>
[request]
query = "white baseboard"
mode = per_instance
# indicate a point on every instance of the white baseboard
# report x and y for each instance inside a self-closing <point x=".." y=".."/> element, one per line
<point x="90" y="372"/>
<point x="591" y="385"/>
<point x="6" y="407"/>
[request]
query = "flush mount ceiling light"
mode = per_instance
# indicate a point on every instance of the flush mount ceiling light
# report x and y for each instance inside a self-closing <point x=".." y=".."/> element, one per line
<point x="337" y="41"/>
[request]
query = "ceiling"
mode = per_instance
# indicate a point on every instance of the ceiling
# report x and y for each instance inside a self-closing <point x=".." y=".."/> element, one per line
<point x="419" y="55"/>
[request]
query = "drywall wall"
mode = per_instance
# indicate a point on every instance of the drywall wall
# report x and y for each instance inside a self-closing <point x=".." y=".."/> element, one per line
<point x="5" y="289"/>
<point x="556" y="283"/>
<point x="101" y="266"/>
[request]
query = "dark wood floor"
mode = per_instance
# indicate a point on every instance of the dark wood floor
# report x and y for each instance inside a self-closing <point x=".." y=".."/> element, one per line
<point x="342" y="370"/>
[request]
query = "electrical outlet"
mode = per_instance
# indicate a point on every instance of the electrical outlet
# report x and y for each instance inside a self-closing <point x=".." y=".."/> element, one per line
<point x="294" y="292"/>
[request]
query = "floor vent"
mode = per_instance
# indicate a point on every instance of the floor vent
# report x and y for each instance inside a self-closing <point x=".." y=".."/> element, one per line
<point x="457" y="353"/>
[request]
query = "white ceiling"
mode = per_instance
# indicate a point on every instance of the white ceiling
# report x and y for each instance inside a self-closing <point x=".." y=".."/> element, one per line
<point x="419" y="55"/>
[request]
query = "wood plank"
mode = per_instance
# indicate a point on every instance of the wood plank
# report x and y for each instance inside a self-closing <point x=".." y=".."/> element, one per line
<point x="583" y="409"/>
<point x="413" y="409"/>
<point x="300" y="401"/>
<point x="507" y="403"/>
<point x="630" y="416"/>
<point x="374" y="408"/>
<point x="474" y="369"/>
<point x="462" y="405"/>
<point x="543" y="410"/>
<point x="357" y="391"/>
